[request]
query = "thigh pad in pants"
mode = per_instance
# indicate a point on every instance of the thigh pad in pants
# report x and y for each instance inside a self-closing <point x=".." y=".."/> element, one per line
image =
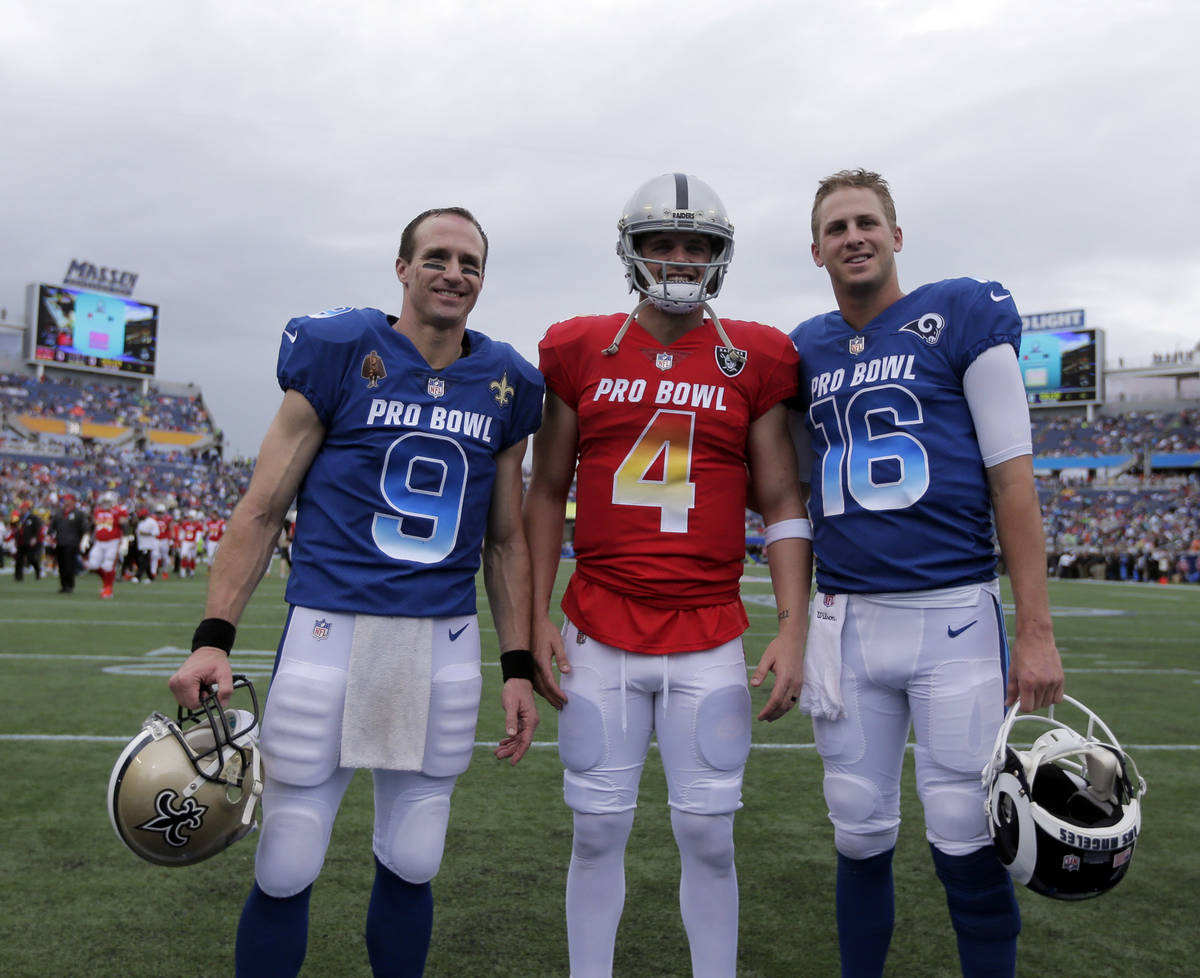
<point x="302" y="723"/>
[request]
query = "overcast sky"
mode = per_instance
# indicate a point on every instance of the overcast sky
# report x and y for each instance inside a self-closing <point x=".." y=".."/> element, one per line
<point x="253" y="161"/>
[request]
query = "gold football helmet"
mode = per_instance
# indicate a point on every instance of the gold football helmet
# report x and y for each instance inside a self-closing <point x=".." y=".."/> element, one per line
<point x="184" y="790"/>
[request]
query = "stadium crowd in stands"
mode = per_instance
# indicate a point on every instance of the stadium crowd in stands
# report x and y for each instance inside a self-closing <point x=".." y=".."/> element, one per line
<point x="101" y="402"/>
<point x="1129" y="528"/>
<point x="1157" y="431"/>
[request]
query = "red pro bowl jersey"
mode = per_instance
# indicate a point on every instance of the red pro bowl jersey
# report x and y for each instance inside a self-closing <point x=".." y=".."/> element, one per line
<point x="661" y="474"/>
<point x="107" y="523"/>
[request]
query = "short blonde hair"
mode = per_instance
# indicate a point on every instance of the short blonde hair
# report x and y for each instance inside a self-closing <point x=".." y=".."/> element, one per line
<point x="861" y="179"/>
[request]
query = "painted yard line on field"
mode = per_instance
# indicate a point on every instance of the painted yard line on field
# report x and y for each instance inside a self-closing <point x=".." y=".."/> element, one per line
<point x="106" y="738"/>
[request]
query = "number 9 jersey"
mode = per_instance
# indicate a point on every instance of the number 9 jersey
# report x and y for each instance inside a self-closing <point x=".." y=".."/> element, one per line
<point x="900" y="498"/>
<point x="393" y="509"/>
<point x="661" y="475"/>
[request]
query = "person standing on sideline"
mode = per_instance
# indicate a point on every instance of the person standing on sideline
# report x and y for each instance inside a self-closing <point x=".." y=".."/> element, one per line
<point x="915" y="442"/>
<point x="69" y="526"/>
<point x="659" y="415"/>
<point x="29" y="542"/>
<point x="147" y="544"/>
<point x="402" y="438"/>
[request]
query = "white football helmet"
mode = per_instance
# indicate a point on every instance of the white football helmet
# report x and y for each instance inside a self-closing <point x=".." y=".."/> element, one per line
<point x="184" y="790"/>
<point x="1064" y="814"/>
<point x="675" y="202"/>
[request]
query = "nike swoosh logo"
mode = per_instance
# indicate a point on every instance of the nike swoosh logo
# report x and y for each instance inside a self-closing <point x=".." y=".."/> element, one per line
<point x="290" y="336"/>
<point x="999" y="298"/>
<point x="454" y="635"/>
<point x="955" y="632"/>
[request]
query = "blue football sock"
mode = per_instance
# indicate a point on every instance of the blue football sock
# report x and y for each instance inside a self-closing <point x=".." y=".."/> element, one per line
<point x="272" y="935"/>
<point x="983" y="910"/>
<point x="866" y="912"/>
<point x="399" y="925"/>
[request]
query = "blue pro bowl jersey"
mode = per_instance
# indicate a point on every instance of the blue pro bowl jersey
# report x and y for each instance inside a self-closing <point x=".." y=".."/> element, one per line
<point x="392" y="512"/>
<point x="899" y="492"/>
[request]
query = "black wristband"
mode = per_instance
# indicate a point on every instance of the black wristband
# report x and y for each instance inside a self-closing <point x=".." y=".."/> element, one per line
<point x="215" y="632"/>
<point x="516" y="664"/>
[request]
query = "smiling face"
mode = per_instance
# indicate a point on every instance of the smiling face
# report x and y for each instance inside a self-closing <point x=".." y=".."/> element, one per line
<point x="855" y="243"/>
<point x="444" y="277"/>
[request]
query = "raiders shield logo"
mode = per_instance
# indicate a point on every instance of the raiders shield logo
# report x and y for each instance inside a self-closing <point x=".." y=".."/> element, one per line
<point x="928" y="328"/>
<point x="729" y="360"/>
<point x="372" y="369"/>
<point x="857" y="344"/>
<point x="435" y="387"/>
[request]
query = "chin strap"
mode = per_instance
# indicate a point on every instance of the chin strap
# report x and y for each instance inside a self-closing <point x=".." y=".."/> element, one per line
<point x="613" y="347"/>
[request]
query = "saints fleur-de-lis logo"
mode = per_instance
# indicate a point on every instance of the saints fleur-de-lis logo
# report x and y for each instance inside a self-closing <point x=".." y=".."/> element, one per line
<point x="172" y="821"/>
<point x="503" y="390"/>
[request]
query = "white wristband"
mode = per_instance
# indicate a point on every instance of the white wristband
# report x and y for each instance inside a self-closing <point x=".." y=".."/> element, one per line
<point x="786" y="530"/>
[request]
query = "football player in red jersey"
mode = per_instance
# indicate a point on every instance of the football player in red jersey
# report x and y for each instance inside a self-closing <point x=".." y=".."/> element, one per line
<point x="108" y="527"/>
<point x="214" y="529"/>
<point x="659" y="415"/>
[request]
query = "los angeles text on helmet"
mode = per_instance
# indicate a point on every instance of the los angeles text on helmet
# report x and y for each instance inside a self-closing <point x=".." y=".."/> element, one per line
<point x="91" y="276"/>
<point x="1093" y="842"/>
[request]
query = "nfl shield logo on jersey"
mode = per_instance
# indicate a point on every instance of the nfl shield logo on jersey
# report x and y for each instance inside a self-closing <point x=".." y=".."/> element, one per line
<point x="320" y="629"/>
<point x="857" y="344"/>
<point x="435" y="387"/>
<point x="730" y="360"/>
<point x="664" y="361"/>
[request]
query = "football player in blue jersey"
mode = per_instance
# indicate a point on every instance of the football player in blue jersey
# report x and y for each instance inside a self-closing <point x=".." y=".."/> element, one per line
<point x="402" y="440"/>
<point x="915" y="444"/>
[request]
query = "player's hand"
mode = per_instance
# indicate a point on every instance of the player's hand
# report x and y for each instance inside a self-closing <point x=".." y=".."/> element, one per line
<point x="548" y="650"/>
<point x="199" y="671"/>
<point x="520" y="719"/>
<point x="786" y="659"/>
<point x="1035" y="676"/>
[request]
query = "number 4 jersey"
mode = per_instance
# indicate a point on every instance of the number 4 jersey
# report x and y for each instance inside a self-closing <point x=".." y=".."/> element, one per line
<point x="899" y="491"/>
<point x="392" y="512"/>
<point x="661" y="474"/>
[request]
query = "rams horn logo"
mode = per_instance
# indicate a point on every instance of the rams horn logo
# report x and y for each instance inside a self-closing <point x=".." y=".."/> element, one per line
<point x="929" y="327"/>
<point x="171" y="821"/>
<point x="503" y="389"/>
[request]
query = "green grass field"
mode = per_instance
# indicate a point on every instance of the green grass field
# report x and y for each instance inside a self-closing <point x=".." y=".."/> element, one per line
<point x="77" y="677"/>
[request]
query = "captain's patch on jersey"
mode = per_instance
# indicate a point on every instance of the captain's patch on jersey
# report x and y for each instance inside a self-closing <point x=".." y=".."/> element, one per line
<point x="729" y="360"/>
<point x="928" y="327"/>
<point x="372" y="369"/>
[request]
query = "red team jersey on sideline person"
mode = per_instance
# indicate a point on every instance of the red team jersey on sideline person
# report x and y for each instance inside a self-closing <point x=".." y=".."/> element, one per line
<point x="662" y="474"/>
<point x="107" y="523"/>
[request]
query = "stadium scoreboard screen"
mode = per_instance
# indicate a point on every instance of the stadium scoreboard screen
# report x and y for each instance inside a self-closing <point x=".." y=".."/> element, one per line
<point x="93" y="331"/>
<point x="1062" y="360"/>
